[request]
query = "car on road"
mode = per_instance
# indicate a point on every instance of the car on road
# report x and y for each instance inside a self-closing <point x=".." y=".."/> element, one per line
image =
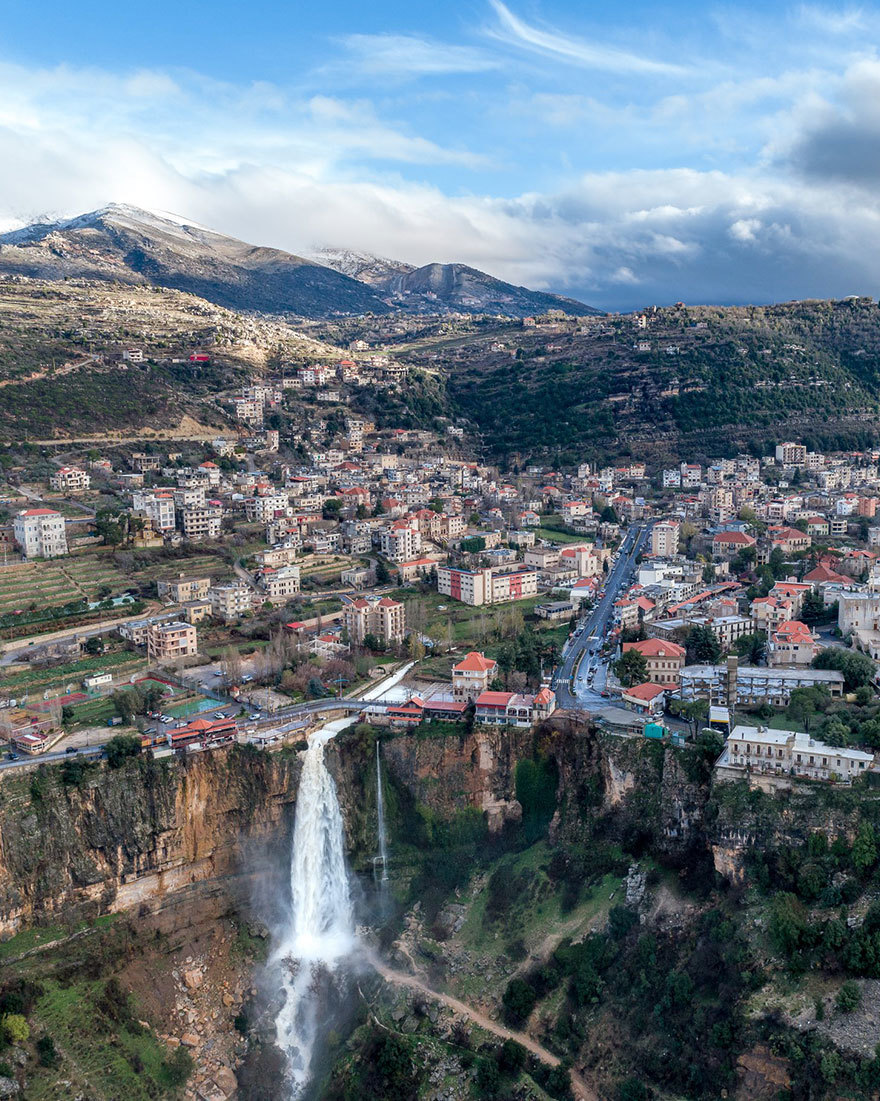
<point x="71" y="749"/>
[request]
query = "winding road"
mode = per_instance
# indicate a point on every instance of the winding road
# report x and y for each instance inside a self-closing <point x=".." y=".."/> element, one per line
<point x="401" y="978"/>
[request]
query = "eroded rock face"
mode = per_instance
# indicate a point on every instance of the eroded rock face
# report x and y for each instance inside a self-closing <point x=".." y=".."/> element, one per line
<point x="128" y="835"/>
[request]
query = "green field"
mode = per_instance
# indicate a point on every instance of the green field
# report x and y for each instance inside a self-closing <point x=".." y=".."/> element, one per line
<point x="31" y="680"/>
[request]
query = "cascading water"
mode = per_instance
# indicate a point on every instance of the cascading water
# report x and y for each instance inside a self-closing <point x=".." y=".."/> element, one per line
<point x="321" y="930"/>
<point x="382" y="859"/>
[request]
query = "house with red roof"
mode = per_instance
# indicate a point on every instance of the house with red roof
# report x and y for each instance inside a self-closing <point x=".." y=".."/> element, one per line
<point x="472" y="675"/>
<point x="792" y="643"/>
<point x="729" y="543"/>
<point x="664" y="659"/>
<point x="646" y="698"/>
<point x="789" y="540"/>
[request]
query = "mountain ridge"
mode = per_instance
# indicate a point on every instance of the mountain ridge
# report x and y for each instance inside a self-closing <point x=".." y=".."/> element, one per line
<point x="127" y="244"/>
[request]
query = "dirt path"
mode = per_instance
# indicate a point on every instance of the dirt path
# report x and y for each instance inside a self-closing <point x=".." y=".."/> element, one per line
<point x="400" y="978"/>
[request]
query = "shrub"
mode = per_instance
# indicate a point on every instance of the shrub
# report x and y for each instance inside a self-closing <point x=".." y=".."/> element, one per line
<point x="518" y="1001"/>
<point x="849" y="997"/>
<point x="15" y="1028"/>
<point x="46" y="1052"/>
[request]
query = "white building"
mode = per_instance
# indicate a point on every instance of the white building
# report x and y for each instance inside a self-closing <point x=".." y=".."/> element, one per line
<point x="70" y="479"/>
<point x="159" y="507"/>
<point x="400" y="543"/>
<point x="40" y="532"/>
<point x="280" y="583"/>
<point x="794" y="753"/>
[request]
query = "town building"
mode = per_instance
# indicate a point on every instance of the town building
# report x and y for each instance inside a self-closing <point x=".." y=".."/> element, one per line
<point x="171" y="641"/>
<point x="231" y="601"/>
<point x="664" y="659"/>
<point x="664" y="538"/>
<point x="40" y="533"/>
<point x="183" y="588"/>
<point x="487" y="586"/>
<point x="755" y="749"/>
<point x="472" y="676"/>
<point x="69" y="479"/>
<point x="792" y="643"/>
<point x="384" y="619"/>
<point x="280" y="583"/>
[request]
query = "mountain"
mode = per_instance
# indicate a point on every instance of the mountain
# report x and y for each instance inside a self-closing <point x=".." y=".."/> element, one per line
<point x="439" y="288"/>
<point x="129" y="245"/>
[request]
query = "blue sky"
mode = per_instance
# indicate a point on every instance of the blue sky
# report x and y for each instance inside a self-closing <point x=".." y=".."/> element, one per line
<point x="624" y="155"/>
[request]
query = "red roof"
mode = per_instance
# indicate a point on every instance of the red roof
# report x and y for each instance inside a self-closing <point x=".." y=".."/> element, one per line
<point x="655" y="648"/>
<point x="822" y="573"/>
<point x="494" y="699"/>
<point x="475" y="662"/>
<point x="734" y="537"/>
<point x="646" y="691"/>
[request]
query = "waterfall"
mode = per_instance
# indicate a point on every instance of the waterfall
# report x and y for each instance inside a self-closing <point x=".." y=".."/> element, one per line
<point x="321" y="930"/>
<point x="382" y="859"/>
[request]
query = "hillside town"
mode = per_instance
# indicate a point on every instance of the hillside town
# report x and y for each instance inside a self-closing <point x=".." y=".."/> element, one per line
<point x="244" y="579"/>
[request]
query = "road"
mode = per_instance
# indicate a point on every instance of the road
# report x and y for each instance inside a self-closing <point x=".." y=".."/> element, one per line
<point x="580" y="1089"/>
<point x="576" y="655"/>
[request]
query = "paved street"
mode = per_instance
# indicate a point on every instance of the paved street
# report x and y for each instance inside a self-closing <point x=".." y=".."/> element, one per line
<point x="581" y="653"/>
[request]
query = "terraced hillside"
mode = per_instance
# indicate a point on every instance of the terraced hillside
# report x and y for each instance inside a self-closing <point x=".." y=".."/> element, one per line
<point x="690" y="381"/>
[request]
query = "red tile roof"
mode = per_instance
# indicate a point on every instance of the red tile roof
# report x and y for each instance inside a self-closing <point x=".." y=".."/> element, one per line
<point x="475" y="662"/>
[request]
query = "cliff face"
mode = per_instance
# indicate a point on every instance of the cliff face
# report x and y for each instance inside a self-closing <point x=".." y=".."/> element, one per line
<point x="143" y="831"/>
<point x="462" y="770"/>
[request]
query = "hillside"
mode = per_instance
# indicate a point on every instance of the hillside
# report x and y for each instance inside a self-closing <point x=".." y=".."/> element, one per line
<point x="442" y="288"/>
<point x="693" y="381"/>
<point x="60" y="347"/>
<point x="128" y="245"/>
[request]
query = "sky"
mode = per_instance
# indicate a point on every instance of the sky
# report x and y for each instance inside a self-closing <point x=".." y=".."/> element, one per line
<point x="620" y="154"/>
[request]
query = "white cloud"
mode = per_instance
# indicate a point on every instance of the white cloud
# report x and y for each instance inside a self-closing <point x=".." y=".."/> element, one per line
<point x="553" y="43"/>
<point x="403" y="55"/>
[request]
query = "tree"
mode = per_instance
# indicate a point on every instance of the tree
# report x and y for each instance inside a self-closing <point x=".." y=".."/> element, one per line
<point x="67" y="714"/>
<point x="813" y="609"/>
<point x="752" y="648"/>
<point x="94" y="645"/>
<point x="120" y="748"/>
<point x="864" y="850"/>
<point x="631" y="669"/>
<point x="14" y="1027"/>
<point x="857" y="669"/>
<point x="702" y="646"/>
<point x="382" y="574"/>
<point x="788" y="922"/>
<point x="518" y="1001"/>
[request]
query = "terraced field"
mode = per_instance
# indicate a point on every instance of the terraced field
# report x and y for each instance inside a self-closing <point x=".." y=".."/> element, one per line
<point x="92" y="576"/>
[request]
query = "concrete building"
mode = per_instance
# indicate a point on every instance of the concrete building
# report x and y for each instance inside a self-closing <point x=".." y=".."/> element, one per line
<point x="400" y="542"/>
<point x="231" y="601"/>
<point x="170" y="641"/>
<point x="736" y="686"/>
<point x="158" y="507"/>
<point x="281" y="583"/>
<point x="487" y="586"/>
<point x="472" y="676"/>
<point x="755" y="749"/>
<point x="202" y="523"/>
<point x="384" y="619"/>
<point x="70" y="479"/>
<point x="792" y="643"/>
<point x="664" y="538"/>
<point x="183" y="588"/>
<point x="40" y="532"/>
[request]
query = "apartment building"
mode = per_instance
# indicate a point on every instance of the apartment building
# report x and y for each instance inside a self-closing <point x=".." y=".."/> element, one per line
<point x="791" y="454"/>
<point x="280" y="583"/>
<point x="265" y="507"/>
<point x="158" y="507"/>
<point x="791" y="643"/>
<point x="472" y="676"/>
<point x="189" y="497"/>
<point x="231" y="601"/>
<point x="487" y="586"/>
<point x="733" y="685"/>
<point x="202" y="523"/>
<point x="664" y="538"/>
<point x="170" y="641"/>
<point x="789" y="753"/>
<point x="69" y="479"/>
<point x="248" y="410"/>
<point x="664" y="660"/>
<point x="384" y="619"/>
<point x="183" y="588"/>
<point x="40" y="533"/>
<point x="400" y="542"/>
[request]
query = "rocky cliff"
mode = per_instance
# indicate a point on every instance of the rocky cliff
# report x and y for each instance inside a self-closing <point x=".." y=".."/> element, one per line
<point x="124" y="837"/>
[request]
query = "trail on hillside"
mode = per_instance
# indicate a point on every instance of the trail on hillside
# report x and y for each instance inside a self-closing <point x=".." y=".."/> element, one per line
<point x="400" y="978"/>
